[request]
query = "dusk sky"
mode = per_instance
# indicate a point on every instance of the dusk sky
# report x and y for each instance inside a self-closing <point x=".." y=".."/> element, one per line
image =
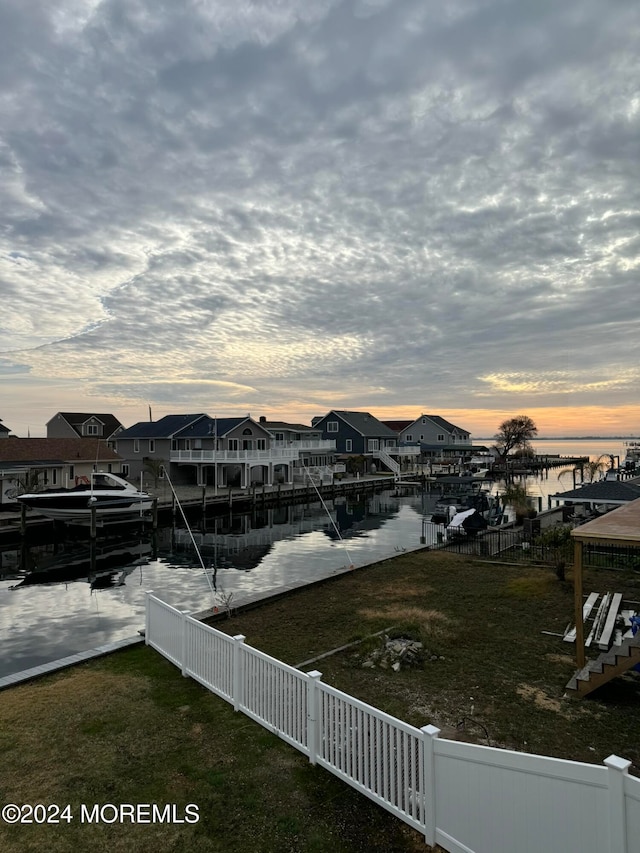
<point x="287" y="206"/>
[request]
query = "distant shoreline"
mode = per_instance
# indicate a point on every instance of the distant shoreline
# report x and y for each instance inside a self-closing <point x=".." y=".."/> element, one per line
<point x="571" y="438"/>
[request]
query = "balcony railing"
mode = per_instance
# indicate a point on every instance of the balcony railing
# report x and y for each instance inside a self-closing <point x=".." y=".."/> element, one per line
<point x="306" y="444"/>
<point x="403" y="450"/>
<point x="220" y="456"/>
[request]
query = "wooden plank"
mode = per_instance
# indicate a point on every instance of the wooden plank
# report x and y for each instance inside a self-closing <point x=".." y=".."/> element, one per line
<point x="609" y="622"/>
<point x="570" y="636"/>
<point x="595" y="628"/>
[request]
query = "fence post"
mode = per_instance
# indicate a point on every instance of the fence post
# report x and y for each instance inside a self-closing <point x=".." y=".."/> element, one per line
<point x="238" y="640"/>
<point x="147" y="616"/>
<point x="429" y="734"/>
<point x="618" y="769"/>
<point x="313" y="697"/>
<point x="183" y="644"/>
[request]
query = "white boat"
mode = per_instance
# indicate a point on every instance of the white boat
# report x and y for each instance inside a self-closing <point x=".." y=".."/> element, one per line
<point x="632" y="456"/>
<point x="111" y="496"/>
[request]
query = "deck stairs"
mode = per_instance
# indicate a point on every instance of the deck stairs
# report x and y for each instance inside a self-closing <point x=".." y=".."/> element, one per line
<point x="616" y="661"/>
<point x="391" y="464"/>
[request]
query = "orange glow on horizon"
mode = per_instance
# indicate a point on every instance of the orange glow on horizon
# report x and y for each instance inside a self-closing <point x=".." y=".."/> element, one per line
<point x="552" y="421"/>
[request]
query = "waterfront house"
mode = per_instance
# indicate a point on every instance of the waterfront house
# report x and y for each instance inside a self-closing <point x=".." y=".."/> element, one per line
<point x="361" y="434"/>
<point x="316" y="457"/>
<point x="196" y="449"/>
<point x="83" y="425"/>
<point x="437" y="438"/>
<point x="39" y="463"/>
<point x="4" y="431"/>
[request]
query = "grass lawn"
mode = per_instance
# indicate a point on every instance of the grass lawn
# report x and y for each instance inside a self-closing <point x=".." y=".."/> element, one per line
<point x="130" y="729"/>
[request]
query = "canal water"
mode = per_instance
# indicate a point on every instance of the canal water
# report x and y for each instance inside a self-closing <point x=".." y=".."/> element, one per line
<point x="64" y="597"/>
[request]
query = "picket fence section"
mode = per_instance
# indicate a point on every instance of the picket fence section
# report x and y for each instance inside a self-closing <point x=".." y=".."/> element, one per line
<point x="465" y="797"/>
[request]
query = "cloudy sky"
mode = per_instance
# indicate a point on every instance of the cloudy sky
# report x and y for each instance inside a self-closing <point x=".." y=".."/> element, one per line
<point x="287" y="206"/>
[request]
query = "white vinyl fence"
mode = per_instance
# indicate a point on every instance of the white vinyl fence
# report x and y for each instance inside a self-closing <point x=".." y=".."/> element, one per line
<point x="464" y="797"/>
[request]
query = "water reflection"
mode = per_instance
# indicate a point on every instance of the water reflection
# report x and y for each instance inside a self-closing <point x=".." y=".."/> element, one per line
<point x="69" y="595"/>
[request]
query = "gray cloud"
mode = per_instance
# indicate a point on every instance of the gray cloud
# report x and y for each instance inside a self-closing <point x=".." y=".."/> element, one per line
<point x="363" y="203"/>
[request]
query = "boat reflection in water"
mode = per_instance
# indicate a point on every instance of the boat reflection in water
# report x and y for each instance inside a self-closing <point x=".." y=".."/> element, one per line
<point x="46" y="613"/>
<point x="101" y="565"/>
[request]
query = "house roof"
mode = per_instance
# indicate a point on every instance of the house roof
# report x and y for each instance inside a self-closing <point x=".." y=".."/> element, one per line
<point x="619" y="525"/>
<point x="444" y="424"/>
<point x="603" y="491"/>
<point x="364" y="423"/>
<point x="271" y="425"/>
<point x="166" y="427"/>
<point x="76" y="419"/>
<point x="3" y="428"/>
<point x="56" y="450"/>
<point x="397" y="426"/>
<point x="207" y="426"/>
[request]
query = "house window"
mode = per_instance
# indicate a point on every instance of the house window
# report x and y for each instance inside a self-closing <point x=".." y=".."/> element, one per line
<point x="247" y="444"/>
<point x="152" y="445"/>
<point x="332" y="426"/>
<point x="279" y="436"/>
<point x="373" y="444"/>
<point x="233" y="444"/>
<point x="125" y="469"/>
<point x="71" y="472"/>
<point x="161" y="473"/>
<point x="54" y="477"/>
<point x="92" y="429"/>
<point x="261" y="443"/>
<point x="440" y="436"/>
<point x="348" y="445"/>
<point x="424" y="420"/>
<point x="136" y="446"/>
<point x="187" y="444"/>
<point x="174" y="444"/>
<point x="422" y="438"/>
<point x="409" y="437"/>
<point x="247" y="431"/>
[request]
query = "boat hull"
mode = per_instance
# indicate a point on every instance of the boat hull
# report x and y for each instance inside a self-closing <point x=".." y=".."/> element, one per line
<point x="115" y="499"/>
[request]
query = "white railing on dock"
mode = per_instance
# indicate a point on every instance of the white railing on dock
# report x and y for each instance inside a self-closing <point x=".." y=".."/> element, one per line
<point x="465" y="797"/>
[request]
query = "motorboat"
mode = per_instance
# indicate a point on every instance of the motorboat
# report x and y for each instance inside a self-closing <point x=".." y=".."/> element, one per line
<point x="451" y="503"/>
<point x="110" y="496"/>
<point x="632" y="454"/>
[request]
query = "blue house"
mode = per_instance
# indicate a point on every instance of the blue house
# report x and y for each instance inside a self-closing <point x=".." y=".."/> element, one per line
<point x="360" y="433"/>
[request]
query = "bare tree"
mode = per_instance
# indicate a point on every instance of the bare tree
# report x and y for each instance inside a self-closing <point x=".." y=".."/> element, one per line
<point x="515" y="433"/>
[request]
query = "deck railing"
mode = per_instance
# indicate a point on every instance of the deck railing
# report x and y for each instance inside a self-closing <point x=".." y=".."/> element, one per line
<point x="465" y="797"/>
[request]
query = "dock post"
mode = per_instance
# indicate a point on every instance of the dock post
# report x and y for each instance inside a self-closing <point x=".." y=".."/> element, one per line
<point x="23" y="519"/>
<point x="154" y="514"/>
<point x="204" y="499"/>
<point x="93" y="531"/>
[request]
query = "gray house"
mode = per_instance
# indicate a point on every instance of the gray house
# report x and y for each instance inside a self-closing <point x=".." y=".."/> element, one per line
<point x="316" y="454"/>
<point x="83" y="425"/>
<point x="437" y="437"/>
<point x="204" y="451"/>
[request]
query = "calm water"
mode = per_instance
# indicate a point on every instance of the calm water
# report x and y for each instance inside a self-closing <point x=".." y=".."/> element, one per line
<point x="59" y="599"/>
